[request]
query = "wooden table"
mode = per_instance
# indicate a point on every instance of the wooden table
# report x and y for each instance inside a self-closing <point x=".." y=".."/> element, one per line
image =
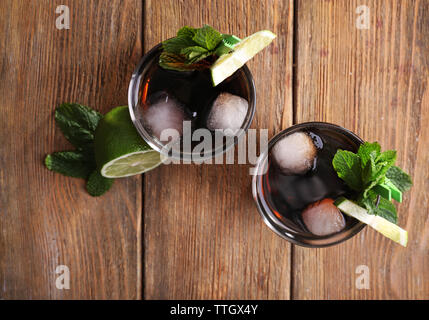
<point x="192" y="231"/>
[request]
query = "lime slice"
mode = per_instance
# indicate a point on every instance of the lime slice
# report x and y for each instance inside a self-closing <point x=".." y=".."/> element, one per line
<point x="119" y="149"/>
<point x="245" y="50"/>
<point x="385" y="227"/>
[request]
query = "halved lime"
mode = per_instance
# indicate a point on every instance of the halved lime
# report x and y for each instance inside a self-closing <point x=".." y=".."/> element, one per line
<point x="245" y="50"/>
<point x="385" y="227"/>
<point x="119" y="149"/>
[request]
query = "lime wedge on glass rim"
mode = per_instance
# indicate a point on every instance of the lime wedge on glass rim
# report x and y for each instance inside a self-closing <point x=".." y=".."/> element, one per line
<point x="385" y="227"/>
<point x="245" y="50"/>
<point x="119" y="149"/>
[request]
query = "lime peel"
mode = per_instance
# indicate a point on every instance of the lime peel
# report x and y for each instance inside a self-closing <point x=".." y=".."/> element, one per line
<point x="385" y="227"/>
<point x="119" y="150"/>
<point x="245" y="50"/>
<point x="133" y="167"/>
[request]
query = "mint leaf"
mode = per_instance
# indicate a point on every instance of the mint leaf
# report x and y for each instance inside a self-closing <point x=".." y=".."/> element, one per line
<point x="366" y="150"/>
<point x="387" y="210"/>
<point x="399" y="178"/>
<point x="177" y="44"/>
<point x="195" y="53"/>
<point x="207" y="37"/>
<point x="198" y="58"/>
<point x="383" y="162"/>
<point x="70" y="163"/>
<point x="375" y="164"/>
<point x="369" y="203"/>
<point x="388" y="156"/>
<point x="386" y="160"/>
<point x="187" y="32"/>
<point x="77" y="123"/>
<point x="97" y="185"/>
<point x="348" y="167"/>
<point x="190" y="48"/>
<point x="384" y="208"/>
<point x="369" y="170"/>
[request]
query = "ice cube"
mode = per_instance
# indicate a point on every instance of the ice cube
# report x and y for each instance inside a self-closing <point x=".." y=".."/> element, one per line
<point x="228" y="112"/>
<point x="323" y="217"/>
<point x="164" y="113"/>
<point x="295" y="153"/>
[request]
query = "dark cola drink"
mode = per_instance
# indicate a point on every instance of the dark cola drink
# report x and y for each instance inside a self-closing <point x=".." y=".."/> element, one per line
<point x="168" y="98"/>
<point x="299" y="184"/>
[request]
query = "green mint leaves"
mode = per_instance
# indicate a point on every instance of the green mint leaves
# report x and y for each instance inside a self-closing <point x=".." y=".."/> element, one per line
<point x="97" y="185"/>
<point x="78" y="124"/>
<point x="70" y="163"/>
<point x="348" y="167"/>
<point x="399" y="178"/>
<point x="374" y="164"/>
<point x="379" y="206"/>
<point x="368" y="168"/>
<point x="189" y="48"/>
<point x="207" y="37"/>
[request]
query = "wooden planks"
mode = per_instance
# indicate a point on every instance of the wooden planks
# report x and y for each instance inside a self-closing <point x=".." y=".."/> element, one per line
<point x="46" y="219"/>
<point x="374" y="82"/>
<point x="203" y="236"/>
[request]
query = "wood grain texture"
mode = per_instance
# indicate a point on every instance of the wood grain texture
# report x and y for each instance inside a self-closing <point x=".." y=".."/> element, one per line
<point x="46" y="219"/>
<point x="203" y="237"/>
<point x="374" y="82"/>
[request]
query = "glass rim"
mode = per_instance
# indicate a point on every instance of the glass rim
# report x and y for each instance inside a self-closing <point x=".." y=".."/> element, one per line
<point x="268" y="216"/>
<point x="155" y="144"/>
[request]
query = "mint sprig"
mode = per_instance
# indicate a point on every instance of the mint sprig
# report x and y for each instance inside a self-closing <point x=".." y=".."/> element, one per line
<point x="348" y="167"/>
<point x="75" y="164"/>
<point x="188" y="50"/>
<point x="98" y="185"/>
<point x="78" y="124"/>
<point x="368" y="168"/>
